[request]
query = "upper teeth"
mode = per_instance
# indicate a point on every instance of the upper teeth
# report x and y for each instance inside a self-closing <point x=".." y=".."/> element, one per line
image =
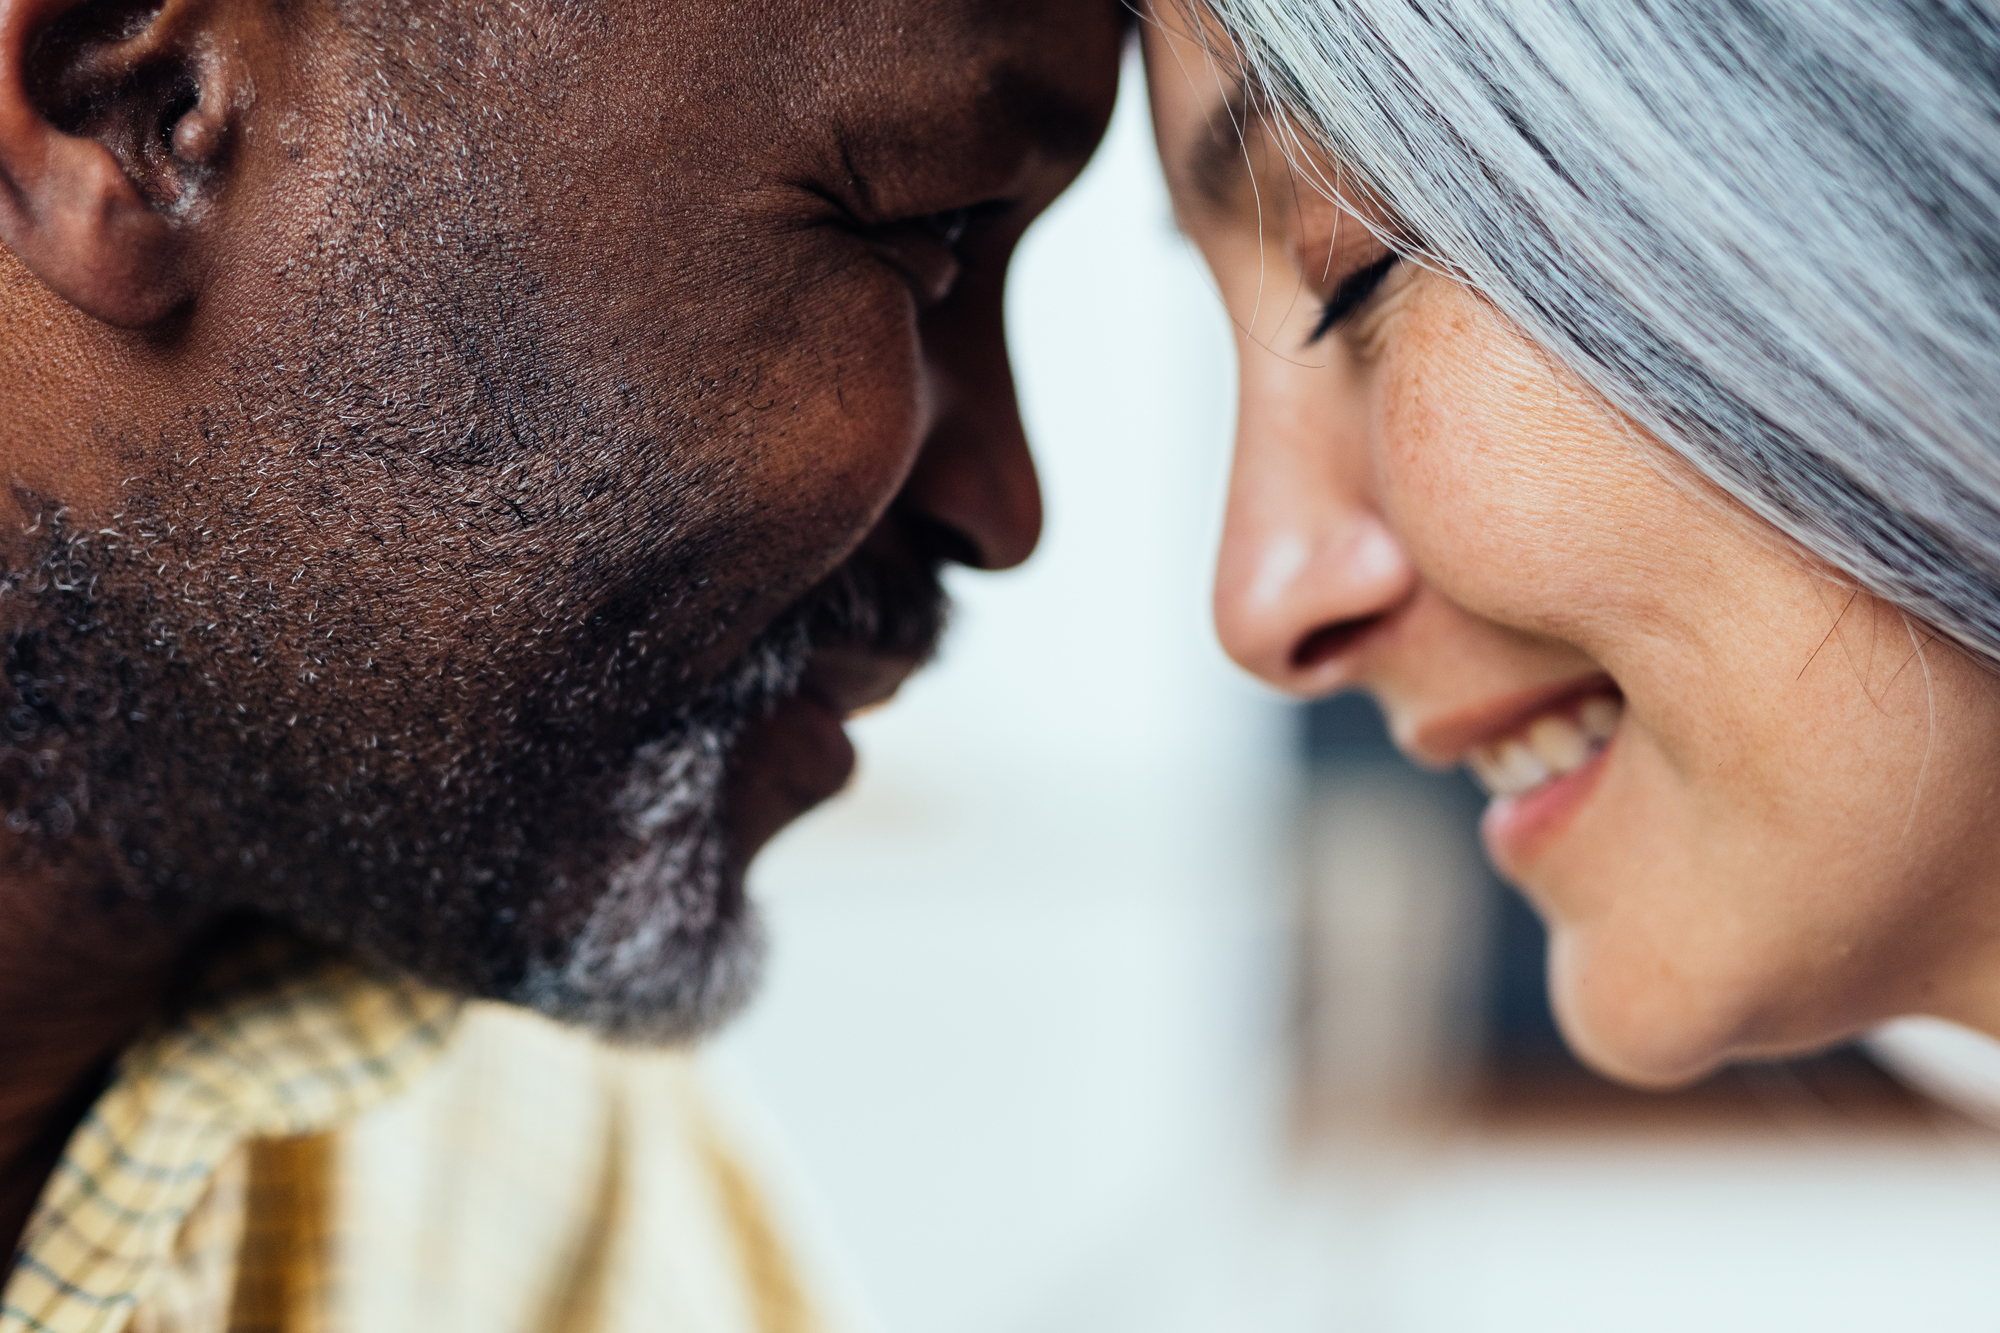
<point x="1548" y="747"/>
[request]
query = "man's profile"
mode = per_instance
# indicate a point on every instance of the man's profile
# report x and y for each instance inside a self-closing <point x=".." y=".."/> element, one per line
<point x="463" y="462"/>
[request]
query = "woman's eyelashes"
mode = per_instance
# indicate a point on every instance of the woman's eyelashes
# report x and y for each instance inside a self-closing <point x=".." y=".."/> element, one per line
<point x="1353" y="293"/>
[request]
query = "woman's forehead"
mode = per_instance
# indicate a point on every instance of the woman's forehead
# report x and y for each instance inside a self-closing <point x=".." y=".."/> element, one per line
<point x="1230" y="153"/>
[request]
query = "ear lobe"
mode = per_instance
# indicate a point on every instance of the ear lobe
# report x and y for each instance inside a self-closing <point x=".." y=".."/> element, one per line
<point x="114" y="129"/>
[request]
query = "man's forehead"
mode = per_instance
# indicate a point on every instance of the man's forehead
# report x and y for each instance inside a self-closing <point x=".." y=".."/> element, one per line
<point x="921" y="69"/>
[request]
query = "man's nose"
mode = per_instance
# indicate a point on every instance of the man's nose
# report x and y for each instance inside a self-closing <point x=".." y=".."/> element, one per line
<point x="1308" y="566"/>
<point x="975" y="476"/>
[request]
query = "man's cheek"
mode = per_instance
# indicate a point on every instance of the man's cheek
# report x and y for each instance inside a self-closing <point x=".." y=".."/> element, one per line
<point x="842" y="428"/>
<point x="788" y="456"/>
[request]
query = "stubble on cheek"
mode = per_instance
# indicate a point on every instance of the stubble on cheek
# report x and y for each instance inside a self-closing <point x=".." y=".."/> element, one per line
<point x="399" y="746"/>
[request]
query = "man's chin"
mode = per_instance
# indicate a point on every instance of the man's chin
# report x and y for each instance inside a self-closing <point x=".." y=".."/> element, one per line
<point x="642" y="971"/>
<point x="683" y="992"/>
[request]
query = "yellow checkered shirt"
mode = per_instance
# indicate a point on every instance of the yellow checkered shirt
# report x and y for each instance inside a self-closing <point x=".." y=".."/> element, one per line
<point x="308" y="1147"/>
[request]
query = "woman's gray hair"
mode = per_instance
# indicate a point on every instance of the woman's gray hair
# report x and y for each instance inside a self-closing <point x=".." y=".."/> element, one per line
<point x="1767" y="230"/>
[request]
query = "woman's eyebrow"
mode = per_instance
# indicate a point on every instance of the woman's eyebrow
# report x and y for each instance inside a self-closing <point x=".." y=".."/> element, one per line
<point x="1217" y="161"/>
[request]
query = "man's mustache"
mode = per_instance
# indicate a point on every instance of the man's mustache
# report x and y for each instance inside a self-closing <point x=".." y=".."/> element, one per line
<point x="890" y="604"/>
<point x="886" y="608"/>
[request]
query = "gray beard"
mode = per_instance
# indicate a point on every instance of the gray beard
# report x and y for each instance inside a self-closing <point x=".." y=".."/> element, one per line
<point x="662" y="944"/>
<point x="673" y="948"/>
<point x="655" y="961"/>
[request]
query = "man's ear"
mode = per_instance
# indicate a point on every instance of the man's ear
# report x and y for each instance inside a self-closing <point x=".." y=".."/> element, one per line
<point x="116" y="122"/>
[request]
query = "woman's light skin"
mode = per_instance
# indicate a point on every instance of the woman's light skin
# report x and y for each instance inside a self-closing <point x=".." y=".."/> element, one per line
<point x="1792" y="833"/>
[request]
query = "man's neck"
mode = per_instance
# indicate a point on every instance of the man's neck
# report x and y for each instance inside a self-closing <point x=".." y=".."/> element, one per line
<point x="72" y="993"/>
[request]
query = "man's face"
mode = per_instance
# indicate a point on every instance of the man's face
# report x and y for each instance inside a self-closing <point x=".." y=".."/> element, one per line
<point x="577" y="405"/>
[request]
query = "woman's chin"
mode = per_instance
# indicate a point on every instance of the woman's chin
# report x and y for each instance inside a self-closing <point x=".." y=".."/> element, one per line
<point x="1628" y="1031"/>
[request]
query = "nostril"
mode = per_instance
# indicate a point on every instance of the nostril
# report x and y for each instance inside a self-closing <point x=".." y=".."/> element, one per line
<point x="1329" y="641"/>
<point x="942" y="542"/>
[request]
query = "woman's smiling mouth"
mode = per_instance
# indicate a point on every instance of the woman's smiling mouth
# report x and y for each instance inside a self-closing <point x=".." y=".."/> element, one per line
<point x="1540" y="771"/>
<point x="1537" y="752"/>
<point x="1550" y="746"/>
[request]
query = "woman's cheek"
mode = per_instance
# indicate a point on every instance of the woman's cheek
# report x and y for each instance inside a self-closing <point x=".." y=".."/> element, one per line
<point x="1522" y="501"/>
<point x="1464" y="458"/>
<point x="1523" y="497"/>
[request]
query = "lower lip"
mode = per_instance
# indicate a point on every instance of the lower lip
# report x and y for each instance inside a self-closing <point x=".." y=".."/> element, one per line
<point x="784" y="766"/>
<point x="821" y="758"/>
<point x="1518" y="829"/>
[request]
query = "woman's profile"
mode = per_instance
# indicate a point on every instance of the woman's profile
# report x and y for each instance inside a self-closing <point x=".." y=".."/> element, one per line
<point x="1620" y="408"/>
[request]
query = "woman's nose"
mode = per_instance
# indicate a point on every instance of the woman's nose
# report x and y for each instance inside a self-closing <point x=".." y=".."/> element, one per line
<point x="1308" y="568"/>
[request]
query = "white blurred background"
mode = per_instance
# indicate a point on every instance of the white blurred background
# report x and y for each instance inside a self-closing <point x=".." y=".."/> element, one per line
<point x="1093" y="1009"/>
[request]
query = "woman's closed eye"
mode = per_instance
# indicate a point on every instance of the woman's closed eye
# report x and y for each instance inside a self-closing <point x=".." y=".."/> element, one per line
<point x="1353" y="293"/>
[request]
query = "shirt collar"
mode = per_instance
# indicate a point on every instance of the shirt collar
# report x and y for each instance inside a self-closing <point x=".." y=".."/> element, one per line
<point x="278" y="1038"/>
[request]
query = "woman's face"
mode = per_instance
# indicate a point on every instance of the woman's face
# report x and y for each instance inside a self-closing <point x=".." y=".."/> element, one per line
<point x="1756" y="809"/>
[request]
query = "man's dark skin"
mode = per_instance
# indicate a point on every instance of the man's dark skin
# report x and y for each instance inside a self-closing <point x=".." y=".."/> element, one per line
<point x="414" y="410"/>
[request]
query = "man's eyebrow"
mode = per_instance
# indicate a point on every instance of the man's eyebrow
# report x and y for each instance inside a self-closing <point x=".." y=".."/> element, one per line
<point x="1216" y="162"/>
